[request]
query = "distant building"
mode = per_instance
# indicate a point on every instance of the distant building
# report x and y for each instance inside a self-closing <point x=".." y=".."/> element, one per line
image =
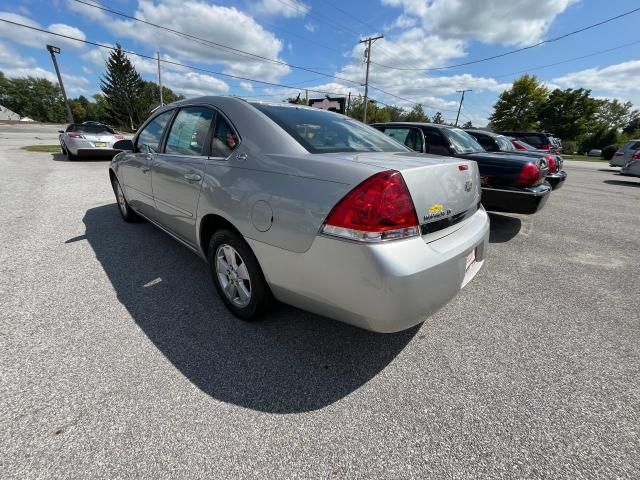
<point x="6" y="114"/>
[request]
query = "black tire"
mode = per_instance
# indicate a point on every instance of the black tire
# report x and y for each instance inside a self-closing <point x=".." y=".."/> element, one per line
<point x="260" y="296"/>
<point x="63" y="149"/>
<point x="126" y="212"/>
<point x="70" y="156"/>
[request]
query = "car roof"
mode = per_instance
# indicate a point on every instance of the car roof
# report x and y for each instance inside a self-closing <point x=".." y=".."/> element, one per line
<point x="416" y="124"/>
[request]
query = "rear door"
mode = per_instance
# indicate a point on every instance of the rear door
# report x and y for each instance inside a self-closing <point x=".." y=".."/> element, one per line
<point x="136" y="168"/>
<point x="179" y="170"/>
<point x="409" y="136"/>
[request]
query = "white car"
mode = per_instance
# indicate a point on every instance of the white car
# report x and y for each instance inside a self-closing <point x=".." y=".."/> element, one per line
<point x="625" y="153"/>
<point x="88" y="138"/>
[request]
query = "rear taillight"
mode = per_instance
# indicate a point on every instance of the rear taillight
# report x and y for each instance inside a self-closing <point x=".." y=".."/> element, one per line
<point x="619" y="154"/>
<point x="529" y="175"/>
<point x="518" y="146"/>
<point x="551" y="161"/>
<point x="544" y="146"/>
<point x="74" y="135"/>
<point x="119" y="137"/>
<point x="378" y="209"/>
<point x="636" y="156"/>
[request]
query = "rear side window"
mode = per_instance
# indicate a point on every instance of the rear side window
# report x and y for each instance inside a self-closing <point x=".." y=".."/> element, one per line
<point x="224" y="139"/>
<point x="532" y="140"/>
<point x="633" y="146"/>
<point x="410" y="137"/>
<point x="189" y="131"/>
<point x="150" y="137"/>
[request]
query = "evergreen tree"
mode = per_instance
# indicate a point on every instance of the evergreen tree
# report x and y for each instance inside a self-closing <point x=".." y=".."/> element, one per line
<point x="123" y="87"/>
<point x="416" y="115"/>
<point x="467" y="124"/>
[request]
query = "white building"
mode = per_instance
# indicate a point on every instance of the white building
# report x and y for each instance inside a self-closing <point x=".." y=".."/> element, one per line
<point x="6" y="114"/>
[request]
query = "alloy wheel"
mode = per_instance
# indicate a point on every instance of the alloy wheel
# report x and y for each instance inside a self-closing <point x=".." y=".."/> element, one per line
<point x="233" y="275"/>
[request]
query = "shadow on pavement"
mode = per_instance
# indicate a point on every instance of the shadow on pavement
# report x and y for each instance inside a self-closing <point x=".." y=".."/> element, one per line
<point x="624" y="183"/>
<point x="612" y="169"/>
<point x="503" y="227"/>
<point x="59" y="157"/>
<point x="290" y="361"/>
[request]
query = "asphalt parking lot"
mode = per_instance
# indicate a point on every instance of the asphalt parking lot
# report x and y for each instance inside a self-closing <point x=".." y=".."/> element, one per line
<point x="118" y="360"/>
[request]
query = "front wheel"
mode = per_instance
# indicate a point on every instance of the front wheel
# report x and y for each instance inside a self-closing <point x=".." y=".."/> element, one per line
<point x="237" y="276"/>
<point x="123" y="206"/>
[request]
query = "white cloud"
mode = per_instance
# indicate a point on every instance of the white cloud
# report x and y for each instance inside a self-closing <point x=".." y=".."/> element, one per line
<point x="35" y="39"/>
<point x="232" y="27"/>
<point x="310" y="27"/>
<point x="247" y="86"/>
<point x="286" y="8"/>
<point x="490" y="21"/>
<point x="619" y="80"/>
<point x="90" y="12"/>
<point x="192" y="84"/>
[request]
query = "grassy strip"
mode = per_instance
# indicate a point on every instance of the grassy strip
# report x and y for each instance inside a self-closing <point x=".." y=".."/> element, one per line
<point x="43" y="148"/>
<point x="584" y="158"/>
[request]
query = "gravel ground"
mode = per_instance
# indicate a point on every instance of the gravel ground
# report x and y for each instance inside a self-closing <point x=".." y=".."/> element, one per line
<point x="117" y="360"/>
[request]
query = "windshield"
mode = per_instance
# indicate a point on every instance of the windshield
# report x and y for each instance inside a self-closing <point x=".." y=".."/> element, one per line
<point x="504" y="143"/>
<point x="462" y="142"/>
<point x="320" y="131"/>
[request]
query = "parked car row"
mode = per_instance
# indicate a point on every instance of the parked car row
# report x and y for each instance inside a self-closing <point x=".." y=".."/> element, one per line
<point x="377" y="227"/>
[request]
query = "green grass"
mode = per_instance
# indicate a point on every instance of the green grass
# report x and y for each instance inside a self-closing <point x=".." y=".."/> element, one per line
<point x="584" y="158"/>
<point x="43" y="148"/>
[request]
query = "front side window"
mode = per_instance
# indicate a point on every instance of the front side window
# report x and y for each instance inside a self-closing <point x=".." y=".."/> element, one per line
<point x="319" y="131"/>
<point x="188" y="134"/>
<point x="462" y="142"/>
<point x="150" y="137"/>
<point x="225" y="139"/>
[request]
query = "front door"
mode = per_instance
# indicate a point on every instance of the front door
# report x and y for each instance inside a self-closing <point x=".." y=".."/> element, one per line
<point x="178" y="171"/>
<point x="136" y="170"/>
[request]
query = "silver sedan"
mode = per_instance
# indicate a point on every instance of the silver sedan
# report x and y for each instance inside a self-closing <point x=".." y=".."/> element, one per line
<point x="307" y="207"/>
<point x="88" y="138"/>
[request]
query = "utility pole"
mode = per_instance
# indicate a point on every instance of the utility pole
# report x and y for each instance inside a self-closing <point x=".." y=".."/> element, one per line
<point x="348" y="103"/>
<point x="53" y="51"/>
<point x="461" y="100"/>
<point x="160" y="80"/>
<point x="367" y="54"/>
<point x="306" y="97"/>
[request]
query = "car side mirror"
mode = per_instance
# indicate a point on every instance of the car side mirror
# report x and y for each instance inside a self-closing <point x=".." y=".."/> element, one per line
<point x="124" y="145"/>
<point x="60" y="131"/>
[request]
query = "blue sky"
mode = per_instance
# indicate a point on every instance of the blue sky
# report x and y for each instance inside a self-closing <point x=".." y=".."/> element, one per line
<point x="323" y="36"/>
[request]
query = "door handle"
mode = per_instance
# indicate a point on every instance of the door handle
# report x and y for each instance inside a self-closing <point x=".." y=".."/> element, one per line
<point x="193" y="177"/>
<point x="242" y="157"/>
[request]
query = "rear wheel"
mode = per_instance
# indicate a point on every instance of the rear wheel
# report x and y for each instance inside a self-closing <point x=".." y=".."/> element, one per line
<point x="70" y="156"/>
<point x="237" y="276"/>
<point x="123" y="206"/>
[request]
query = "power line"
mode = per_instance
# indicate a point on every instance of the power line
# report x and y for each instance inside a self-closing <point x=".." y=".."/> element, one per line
<point x="568" y="60"/>
<point x="209" y="43"/>
<point x="169" y="62"/>
<point x="511" y="52"/>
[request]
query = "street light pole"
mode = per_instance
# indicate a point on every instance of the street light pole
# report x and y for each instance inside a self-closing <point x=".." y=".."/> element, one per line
<point x="367" y="52"/>
<point x="53" y="51"/>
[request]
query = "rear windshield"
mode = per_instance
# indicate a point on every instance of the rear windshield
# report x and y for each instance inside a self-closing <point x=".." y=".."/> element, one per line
<point x="504" y="143"/>
<point x="95" y="129"/>
<point x="319" y="131"/>
<point x="462" y="141"/>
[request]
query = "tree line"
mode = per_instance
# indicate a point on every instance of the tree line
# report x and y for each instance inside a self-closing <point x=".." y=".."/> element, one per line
<point x="125" y="100"/>
<point x="580" y="120"/>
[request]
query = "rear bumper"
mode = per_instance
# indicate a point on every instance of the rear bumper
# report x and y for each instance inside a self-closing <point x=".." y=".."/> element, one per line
<point x="97" y="152"/>
<point x="556" y="180"/>
<point x="385" y="287"/>
<point x="516" y="200"/>
<point x="618" y="161"/>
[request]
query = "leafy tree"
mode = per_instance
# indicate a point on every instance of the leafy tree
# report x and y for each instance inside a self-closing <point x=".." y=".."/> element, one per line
<point x="633" y="127"/>
<point x="600" y="139"/>
<point x="615" y="114"/>
<point x="123" y="87"/>
<point x="518" y="107"/>
<point x="467" y="124"/>
<point x="416" y="115"/>
<point x="568" y="113"/>
<point x="150" y="98"/>
<point x="438" y="118"/>
<point x="396" y="114"/>
<point x="37" y="98"/>
<point x="296" y="100"/>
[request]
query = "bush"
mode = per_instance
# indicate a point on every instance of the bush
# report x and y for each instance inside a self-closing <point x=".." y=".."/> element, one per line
<point x="600" y="139"/>
<point x="609" y="151"/>
<point x="569" y="147"/>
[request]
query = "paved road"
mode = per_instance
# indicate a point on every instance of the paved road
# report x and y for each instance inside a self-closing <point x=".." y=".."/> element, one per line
<point x="117" y="360"/>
